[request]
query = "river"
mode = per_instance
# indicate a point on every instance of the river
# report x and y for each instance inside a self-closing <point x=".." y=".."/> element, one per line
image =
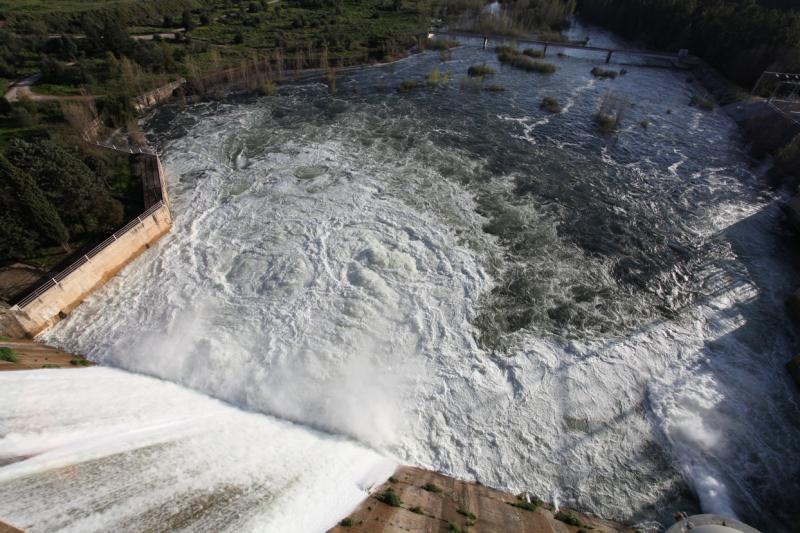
<point x="450" y="277"/>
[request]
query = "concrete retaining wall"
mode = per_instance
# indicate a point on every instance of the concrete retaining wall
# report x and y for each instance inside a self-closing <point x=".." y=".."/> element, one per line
<point x="65" y="294"/>
<point x="156" y="96"/>
<point x="59" y="295"/>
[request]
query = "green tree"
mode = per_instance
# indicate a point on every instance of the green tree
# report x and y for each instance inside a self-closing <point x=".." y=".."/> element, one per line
<point x="31" y="207"/>
<point x="81" y="199"/>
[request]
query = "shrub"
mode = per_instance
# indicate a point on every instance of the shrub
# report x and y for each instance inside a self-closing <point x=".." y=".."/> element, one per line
<point x="644" y="123"/>
<point x="268" y="88"/>
<point x="495" y="88"/>
<point x="79" y="361"/>
<point x="437" y="79"/>
<point x="346" y="522"/>
<point x="479" y="71"/>
<point x="523" y="62"/>
<point x="392" y="479"/>
<point x="50" y="365"/>
<point x="550" y="104"/>
<point x="568" y="518"/>
<point x="438" y="44"/>
<point x="523" y="503"/>
<point x="417" y="510"/>
<point x="389" y="497"/>
<point x="531" y="52"/>
<point x="430" y="487"/>
<point x="705" y="104"/>
<point x="610" y="112"/>
<point x="407" y="85"/>
<point x="466" y="512"/>
<point x="602" y="73"/>
<point x="7" y="354"/>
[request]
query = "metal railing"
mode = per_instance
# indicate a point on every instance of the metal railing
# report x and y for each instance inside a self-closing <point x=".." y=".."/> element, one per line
<point x="85" y="258"/>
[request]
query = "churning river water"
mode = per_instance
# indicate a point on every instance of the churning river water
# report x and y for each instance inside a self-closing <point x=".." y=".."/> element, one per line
<point x="449" y="277"/>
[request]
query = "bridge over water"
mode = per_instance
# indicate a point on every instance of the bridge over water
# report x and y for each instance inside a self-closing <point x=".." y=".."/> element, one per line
<point x="681" y="58"/>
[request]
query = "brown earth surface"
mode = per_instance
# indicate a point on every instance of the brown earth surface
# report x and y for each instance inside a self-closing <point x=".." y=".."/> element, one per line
<point x="34" y="355"/>
<point x="460" y="506"/>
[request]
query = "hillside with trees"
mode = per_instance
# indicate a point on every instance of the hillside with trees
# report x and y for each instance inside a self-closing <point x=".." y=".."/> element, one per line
<point x="740" y="38"/>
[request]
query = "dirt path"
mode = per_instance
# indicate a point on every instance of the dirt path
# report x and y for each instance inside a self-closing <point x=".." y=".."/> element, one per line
<point x="22" y="89"/>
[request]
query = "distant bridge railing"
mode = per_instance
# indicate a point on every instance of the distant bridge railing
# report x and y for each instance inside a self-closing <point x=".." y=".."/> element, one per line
<point x="680" y="55"/>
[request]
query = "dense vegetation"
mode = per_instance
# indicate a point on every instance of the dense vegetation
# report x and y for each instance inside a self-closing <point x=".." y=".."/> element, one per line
<point x="740" y="38"/>
<point x="50" y="196"/>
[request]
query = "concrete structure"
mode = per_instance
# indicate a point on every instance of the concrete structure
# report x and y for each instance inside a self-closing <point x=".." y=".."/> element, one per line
<point x="156" y="96"/>
<point x="710" y="523"/>
<point x="58" y="296"/>
<point x="432" y="502"/>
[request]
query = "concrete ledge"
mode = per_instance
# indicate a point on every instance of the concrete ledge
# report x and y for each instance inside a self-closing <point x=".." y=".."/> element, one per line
<point x="429" y="501"/>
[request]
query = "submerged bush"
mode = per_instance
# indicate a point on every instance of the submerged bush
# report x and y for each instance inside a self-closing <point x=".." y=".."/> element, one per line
<point x="610" y="112"/>
<point x="479" y="71"/>
<point x="9" y="355"/>
<point x="495" y="88"/>
<point x="602" y="73"/>
<point x="523" y="62"/>
<point x="706" y="104"/>
<point x="407" y="85"/>
<point x="268" y="88"/>
<point x="550" y="104"/>
<point x="531" y="52"/>
<point x="78" y="361"/>
<point x="437" y="79"/>
<point x="438" y="44"/>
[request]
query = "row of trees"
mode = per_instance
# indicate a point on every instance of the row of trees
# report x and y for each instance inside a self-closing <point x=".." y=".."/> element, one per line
<point x="741" y="38"/>
<point x="49" y="195"/>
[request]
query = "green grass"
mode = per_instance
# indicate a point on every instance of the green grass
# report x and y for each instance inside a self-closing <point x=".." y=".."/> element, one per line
<point x="56" y="90"/>
<point x="50" y="365"/>
<point x="8" y="355"/>
<point x="346" y="522"/>
<point x="416" y="510"/>
<point x="79" y="361"/>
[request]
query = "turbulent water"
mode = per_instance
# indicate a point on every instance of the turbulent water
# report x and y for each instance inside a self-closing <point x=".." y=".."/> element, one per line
<point x="458" y="279"/>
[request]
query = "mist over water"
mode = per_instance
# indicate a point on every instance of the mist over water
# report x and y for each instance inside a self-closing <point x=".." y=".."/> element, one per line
<point x="457" y="279"/>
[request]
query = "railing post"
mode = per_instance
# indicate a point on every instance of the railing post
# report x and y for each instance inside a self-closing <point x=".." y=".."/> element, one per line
<point x="544" y="52"/>
<point x="608" y="57"/>
<point x="485" y="42"/>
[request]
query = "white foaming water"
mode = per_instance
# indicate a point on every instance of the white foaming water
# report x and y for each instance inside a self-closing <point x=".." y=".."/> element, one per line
<point x="104" y="450"/>
<point x="328" y="270"/>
